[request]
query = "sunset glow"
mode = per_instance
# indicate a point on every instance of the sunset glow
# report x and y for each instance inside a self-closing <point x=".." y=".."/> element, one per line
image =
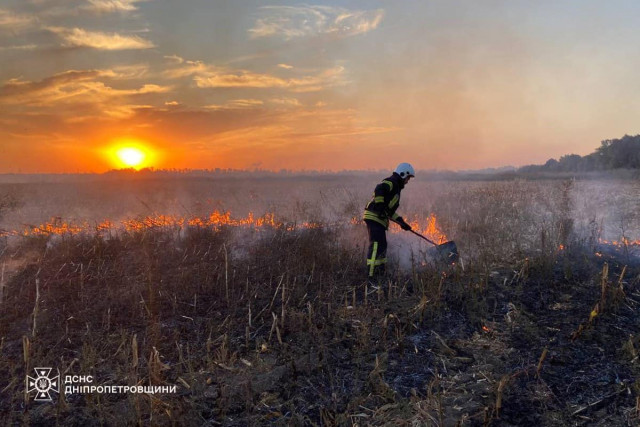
<point x="454" y="87"/>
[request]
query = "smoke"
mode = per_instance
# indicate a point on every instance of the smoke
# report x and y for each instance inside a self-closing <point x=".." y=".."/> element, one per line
<point x="493" y="222"/>
<point x="409" y="252"/>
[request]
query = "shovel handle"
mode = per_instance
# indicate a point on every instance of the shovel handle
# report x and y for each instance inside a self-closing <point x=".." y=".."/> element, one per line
<point x="418" y="234"/>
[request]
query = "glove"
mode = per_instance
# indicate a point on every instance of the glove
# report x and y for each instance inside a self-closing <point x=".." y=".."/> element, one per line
<point x="403" y="224"/>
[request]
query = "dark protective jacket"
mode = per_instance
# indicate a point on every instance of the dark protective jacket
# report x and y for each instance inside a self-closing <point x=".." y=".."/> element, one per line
<point x="385" y="201"/>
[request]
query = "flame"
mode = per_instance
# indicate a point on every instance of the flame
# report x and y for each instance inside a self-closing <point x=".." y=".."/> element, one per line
<point x="484" y="328"/>
<point x="216" y="220"/>
<point x="429" y="228"/>
<point x="622" y="242"/>
<point x="561" y="248"/>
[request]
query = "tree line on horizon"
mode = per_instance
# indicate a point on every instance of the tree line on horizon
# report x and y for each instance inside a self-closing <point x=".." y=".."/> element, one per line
<point x="622" y="153"/>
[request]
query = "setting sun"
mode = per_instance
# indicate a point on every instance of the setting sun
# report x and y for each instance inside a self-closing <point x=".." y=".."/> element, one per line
<point x="131" y="153"/>
<point x="131" y="156"/>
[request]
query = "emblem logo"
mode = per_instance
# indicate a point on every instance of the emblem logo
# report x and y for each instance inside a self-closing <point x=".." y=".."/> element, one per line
<point x="43" y="384"/>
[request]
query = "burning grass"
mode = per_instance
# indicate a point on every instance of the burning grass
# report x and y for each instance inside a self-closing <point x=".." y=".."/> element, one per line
<point x="273" y="323"/>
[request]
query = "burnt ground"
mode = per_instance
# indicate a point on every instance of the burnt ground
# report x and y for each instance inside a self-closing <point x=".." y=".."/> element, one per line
<point x="551" y="340"/>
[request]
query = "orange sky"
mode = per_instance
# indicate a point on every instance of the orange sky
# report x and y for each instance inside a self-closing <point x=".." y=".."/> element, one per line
<point x="339" y="85"/>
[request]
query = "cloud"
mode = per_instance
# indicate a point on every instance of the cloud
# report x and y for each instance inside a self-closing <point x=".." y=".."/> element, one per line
<point x="304" y="21"/>
<point x="174" y="58"/>
<point x="19" y="47"/>
<point x="14" y="21"/>
<point x="69" y="87"/>
<point x="285" y="102"/>
<point x="210" y="76"/>
<point x="285" y="66"/>
<point x="186" y="68"/>
<point x="107" y="6"/>
<point x="121" y="111"/>
<point x="249" y="79"/>
<point x="134" y="71"/>
<point x="237" y="104"/>
<point x="98" y="40"/>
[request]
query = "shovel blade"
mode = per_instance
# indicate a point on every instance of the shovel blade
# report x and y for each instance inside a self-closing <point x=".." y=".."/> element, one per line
<point x="449" y="251"/>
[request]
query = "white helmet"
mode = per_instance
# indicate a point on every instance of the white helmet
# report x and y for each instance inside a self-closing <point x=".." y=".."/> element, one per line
<point x="405" y="170"/>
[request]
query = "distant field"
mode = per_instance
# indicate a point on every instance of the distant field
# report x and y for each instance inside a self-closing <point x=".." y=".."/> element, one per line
<point x="260" y="313"/>
<point x="473" y="212"/>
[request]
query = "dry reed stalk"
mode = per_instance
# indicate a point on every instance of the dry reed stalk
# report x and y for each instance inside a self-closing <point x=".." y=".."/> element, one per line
<point x="156" y="367"/>
<point x="35" y="307"/>
<point x="226" y="272"/>
<point x="366" y="293"/>
<point x="26" y="353"/>
<point x="618" y="292"/>
<point x="620" y="286"/>
<point x="501" y="386"/>
<point x="134" y="352"/>
<point x="603" y="284"/>
<point x="631" y="349"/>
<point x="543" y="356"/>
<point x="2" y="283"/>
<point x="421" y="306"/>
<point x="81" y="279"/>
<point x="273" y="326"/>
<point x="246" y="285"/>
<point x="181" y="355"/>
<point x="108" y="319"/>
<point x="275" y="294"/>
<point x="284" y="302"/>
<point x="436" y="397"/>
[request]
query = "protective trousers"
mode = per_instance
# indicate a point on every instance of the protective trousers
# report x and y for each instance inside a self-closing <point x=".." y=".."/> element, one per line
<point x="377" y="254"/>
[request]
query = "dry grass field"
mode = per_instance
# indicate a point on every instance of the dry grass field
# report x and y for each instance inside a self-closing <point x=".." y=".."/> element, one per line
<point x="248" y="294"/>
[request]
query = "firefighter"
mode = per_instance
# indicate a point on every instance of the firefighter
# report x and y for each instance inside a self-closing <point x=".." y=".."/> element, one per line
<point x="381" y="208"/>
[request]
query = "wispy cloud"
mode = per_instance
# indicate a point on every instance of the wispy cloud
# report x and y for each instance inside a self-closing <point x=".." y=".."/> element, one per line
<point x="285" y="102"/>
<point x="249" y="79"/>
<point x="185" y="68"/>
<point x="133" y="71"/>
<point x="301" y="21"/>
<point x="210" y="76"/>
<point x="98" y="40"/>
<point x="14" y="21"/>
<point x="107" y="6"/>
<point x="237" y="104"/>
<point x="19" y="47"/>
<point x="174" y="58"/>
<point x="69" y="87"/>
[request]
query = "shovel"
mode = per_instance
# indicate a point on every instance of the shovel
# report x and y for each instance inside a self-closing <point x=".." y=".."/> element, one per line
<point x="448" y="250"/>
